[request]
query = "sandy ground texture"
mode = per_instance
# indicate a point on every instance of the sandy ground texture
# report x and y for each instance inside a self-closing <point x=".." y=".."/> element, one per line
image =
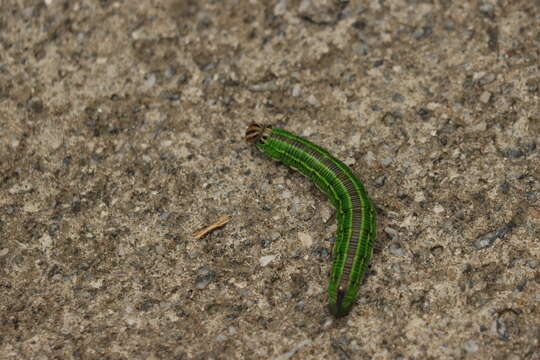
<point x="121" y="133"/>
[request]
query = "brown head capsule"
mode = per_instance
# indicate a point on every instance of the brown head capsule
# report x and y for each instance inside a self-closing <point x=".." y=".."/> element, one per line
<point x="255" y="131"/>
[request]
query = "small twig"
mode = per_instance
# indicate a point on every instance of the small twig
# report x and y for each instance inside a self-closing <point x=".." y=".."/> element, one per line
<point x="216" y="224"/>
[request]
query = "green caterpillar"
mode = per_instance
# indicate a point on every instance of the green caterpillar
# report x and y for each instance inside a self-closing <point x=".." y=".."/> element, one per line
<point x="355" y="211"/>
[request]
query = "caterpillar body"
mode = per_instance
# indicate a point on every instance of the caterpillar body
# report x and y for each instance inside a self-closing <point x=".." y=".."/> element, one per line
<point x="354" y="210"/>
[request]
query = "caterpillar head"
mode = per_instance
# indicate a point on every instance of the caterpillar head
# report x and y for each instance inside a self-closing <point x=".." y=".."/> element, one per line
<point x="258" y="133"/>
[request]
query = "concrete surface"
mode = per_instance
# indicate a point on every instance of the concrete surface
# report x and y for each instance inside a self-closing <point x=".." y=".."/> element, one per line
<point x="121" y="132"/>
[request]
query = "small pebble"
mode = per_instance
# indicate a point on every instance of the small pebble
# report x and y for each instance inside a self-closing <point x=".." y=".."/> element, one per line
<point x="296" y="90"/>
<point x="513" y="153"/>
<point x="380" y="181"/>
<point x="485" y="8"/>
<point x="206" y="276"/>
<point x="305" y="239"/>
<point x="438" y="209"/>
<point x="488" y="239"/>
<point x="485" y="240"/>
<point x="312" y="100"/>
<point x="386" y="161"/>
<point x="396" y="249"/>
<point x="392" y="232"/>
<point x="470" y="346"/>
<point x="322" y="252"/>
<point x="485" y="97"/>
<point x="487" y="79"/>
<point x="265" y="260"/>
<point x="265" y="243"/>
